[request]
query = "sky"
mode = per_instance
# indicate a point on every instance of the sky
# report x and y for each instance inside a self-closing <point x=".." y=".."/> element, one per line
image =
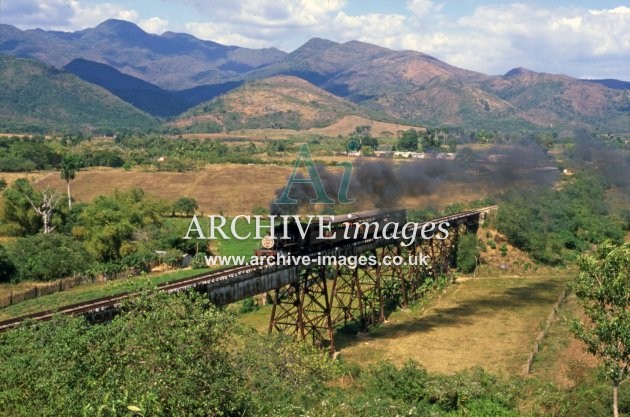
<point x="585" y="39"/>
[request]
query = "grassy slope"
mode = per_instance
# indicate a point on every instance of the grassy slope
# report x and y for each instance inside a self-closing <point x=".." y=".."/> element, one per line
<point x="489" y="322"/>
<point x="40" y="96"/>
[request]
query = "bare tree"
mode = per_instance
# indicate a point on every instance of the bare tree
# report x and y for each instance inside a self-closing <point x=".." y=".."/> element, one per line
<point x="50" y="198"/>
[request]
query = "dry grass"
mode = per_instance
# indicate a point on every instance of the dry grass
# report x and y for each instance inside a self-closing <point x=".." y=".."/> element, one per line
<point x="344" y="126"/>
<point x="233" y="188"/>
<point x="562" y="358"/>
<point x="488" y="322"/>
<point x="10" y="177"/>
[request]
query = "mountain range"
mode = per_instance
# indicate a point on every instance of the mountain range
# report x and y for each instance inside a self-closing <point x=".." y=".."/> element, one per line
<point x="178" y="76"/>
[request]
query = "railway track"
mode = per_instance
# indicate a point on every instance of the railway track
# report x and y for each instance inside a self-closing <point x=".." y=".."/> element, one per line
<point x="112" y="302"/>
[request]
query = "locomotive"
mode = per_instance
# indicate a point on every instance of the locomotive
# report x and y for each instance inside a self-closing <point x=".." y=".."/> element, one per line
<point x="304" y="238"/>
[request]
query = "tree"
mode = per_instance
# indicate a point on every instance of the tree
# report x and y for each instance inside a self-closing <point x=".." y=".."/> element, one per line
<point x="3" y="184"/>
<point x="467" y="253"/>
<point x="603" y="287"/>
<point x="69" y="167"/>
<point x="46" y="257"/>
<point x="408" y="141"/>
<point x="363" y="135"/>
<point x="45" y="207"/>
<point x="17" y="210"/>
<point x="186" y="205"/>
<point x="431" y="140"/>
<point x="370" y="142"/>
<point x="109" y="221"/>
<point x="7" y="269"/>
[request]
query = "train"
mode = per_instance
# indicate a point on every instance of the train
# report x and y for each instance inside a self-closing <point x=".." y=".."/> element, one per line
<point x="325" y="232"/>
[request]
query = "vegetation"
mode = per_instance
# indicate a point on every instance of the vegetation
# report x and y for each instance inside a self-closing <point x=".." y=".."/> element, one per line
<point x="70" y="164"/>
<point x="46" y="257"/>
<point x="185" y="206"/>
<point x="206" y="364"/>
<point x="7" y="269"/>
<point x="38" y="98"/>
<point x="467" y="253"/>
<point x="555" y="224"/>
<point x="603" y="286"/>
<point x="118" y="231"/>
<point x="408" y="141"/>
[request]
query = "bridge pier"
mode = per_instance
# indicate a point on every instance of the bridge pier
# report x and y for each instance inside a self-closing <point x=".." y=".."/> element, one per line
<point x="323" y="297"/>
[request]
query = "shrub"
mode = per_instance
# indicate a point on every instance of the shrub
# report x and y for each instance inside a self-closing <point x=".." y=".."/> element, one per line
<point x="199" y="261"/>
<point x="467" y="253"/>
<point x="249" y="305"/>
<point x="7" y="269"/>
<point x="46" y="257"/>
<point x="173" y="258"/>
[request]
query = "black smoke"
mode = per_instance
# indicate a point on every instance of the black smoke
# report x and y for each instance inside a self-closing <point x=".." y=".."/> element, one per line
<point x="383" y="183"/>
<point x="610" y="159"/>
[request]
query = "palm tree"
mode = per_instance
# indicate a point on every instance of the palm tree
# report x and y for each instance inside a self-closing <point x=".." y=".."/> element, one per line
<point x="69" y="168"/>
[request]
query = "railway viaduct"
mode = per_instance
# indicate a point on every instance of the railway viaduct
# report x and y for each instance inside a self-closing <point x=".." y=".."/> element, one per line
<point x="311" y="301"/>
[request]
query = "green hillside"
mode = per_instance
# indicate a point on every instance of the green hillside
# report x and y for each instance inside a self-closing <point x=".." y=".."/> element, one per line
<point x="40" y="98"/>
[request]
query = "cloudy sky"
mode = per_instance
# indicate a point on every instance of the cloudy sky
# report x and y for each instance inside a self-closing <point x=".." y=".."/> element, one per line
<point x="588" y="39"/>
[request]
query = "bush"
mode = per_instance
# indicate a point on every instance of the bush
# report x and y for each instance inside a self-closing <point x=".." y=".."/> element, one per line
<point x="46" y="257"/>
<point x="173" y="258"/>
<point x="199" y="261"/>
<point x="467" y="253"/>
<point x="7" y="269"/>
<point x="249" y="305"/>
<point x="166" y="355"/>
<point x="552" y="225"/>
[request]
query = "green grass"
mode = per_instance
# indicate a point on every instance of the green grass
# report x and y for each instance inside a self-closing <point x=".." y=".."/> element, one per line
<point x="88" y="292"/>
<point x="241" y="247"/>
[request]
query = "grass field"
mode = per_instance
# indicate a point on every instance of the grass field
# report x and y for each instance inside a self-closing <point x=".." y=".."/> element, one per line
<point x="230" y="188"/>
<point x="562" y="359"/>
<point x="489" y="322"/>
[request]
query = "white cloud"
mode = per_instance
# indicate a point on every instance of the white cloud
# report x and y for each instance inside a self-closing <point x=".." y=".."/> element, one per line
<point x="70" y="15"/>
<point x="491" y="39"/>
<point x="154" y="25"/>
<point x="551" y="39"/>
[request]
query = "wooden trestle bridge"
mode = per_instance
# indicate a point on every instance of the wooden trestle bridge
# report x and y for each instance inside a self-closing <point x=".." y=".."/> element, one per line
<point x="311" y="301"/>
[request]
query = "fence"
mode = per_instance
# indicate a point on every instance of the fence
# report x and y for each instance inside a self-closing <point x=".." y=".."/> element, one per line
<point x="62" y="284"/>
<point x="552" y="316"/>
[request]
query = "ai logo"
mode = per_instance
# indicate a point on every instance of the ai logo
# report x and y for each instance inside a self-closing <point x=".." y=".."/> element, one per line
<point x="304" y="157"/>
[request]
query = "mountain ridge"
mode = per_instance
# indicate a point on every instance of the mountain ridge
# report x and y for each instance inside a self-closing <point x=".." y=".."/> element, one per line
<point x="403" y="85"/>
<point x="37" y="98"/>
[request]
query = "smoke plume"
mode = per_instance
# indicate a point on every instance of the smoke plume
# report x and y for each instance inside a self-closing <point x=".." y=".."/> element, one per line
<point x="382" y="182"/>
